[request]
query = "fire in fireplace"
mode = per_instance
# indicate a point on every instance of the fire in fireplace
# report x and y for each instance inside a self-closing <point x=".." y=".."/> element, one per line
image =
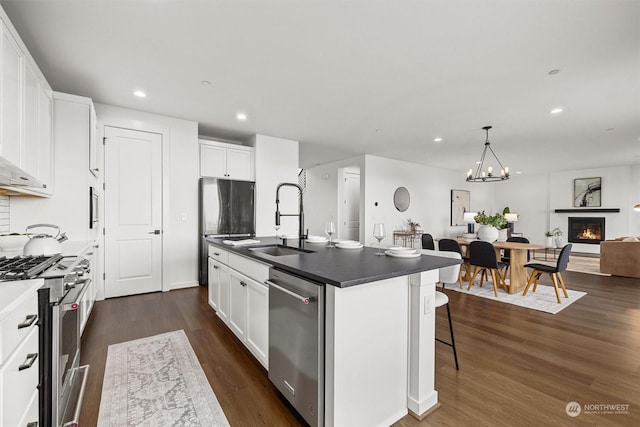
<point x="586" y="230"/>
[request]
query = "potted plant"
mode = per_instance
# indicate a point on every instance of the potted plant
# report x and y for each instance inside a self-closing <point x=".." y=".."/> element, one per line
<point x="491" y="224"/>
<point x="553" y="238"/>
<point x="413" y="225"/>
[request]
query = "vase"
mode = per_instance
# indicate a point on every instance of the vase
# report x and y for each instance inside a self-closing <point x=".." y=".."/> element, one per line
<point x="488" y="233"/>
<point x="559" y="241"/>
<point x="548" y="241"/>
<point x="502" y="235"/>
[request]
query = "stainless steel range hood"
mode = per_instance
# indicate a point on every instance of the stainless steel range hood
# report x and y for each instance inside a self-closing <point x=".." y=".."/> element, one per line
<point x="12" y="177"/>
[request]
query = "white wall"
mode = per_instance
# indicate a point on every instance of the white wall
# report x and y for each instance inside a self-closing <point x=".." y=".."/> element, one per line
<point x="180" y="161"/>
<point x="430" y="192"/>
<point x="429" y="188"/>
<point x="276" y="162"/>
<point x="322" y="195"/>
<point x="634" y="199"/>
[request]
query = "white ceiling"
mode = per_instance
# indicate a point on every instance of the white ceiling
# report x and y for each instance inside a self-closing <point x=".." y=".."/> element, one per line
<point x="377" y="77"/>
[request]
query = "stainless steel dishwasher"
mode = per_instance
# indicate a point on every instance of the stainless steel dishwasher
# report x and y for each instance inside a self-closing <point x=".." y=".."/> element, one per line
<point x="296" y="343"/>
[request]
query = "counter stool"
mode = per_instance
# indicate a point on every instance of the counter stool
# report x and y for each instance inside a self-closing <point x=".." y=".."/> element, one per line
<point x="443" y="299"/>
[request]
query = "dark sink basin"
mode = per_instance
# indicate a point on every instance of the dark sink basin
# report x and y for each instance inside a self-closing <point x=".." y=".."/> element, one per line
<point x="279" y="250"/>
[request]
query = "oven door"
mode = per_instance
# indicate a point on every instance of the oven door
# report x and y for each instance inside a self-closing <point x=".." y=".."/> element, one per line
<point x="66" y="349"/>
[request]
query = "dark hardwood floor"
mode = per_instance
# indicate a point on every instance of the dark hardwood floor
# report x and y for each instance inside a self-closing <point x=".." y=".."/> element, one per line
<point x="518" y="367"/>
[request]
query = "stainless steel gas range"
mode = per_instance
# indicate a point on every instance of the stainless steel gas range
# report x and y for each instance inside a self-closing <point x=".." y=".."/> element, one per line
<point x="61" y="379"/>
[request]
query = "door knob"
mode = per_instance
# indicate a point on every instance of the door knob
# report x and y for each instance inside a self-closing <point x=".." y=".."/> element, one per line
<point x="154" y="232"/>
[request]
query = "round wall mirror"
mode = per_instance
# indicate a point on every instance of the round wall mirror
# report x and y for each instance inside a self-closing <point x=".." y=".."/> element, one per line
<point x="401" y="199"/>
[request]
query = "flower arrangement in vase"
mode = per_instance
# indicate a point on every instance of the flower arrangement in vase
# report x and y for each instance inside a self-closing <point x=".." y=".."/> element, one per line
<point x="413" y="225"/>
<point x="491" y="224"/>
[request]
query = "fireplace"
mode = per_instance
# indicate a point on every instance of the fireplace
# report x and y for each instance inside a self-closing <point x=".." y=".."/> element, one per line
<point x="586" y="230"/>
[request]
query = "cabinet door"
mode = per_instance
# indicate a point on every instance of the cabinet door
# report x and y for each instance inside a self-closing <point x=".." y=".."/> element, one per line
<point x="11" y="101"/>
<point x="214" y="283"/>
<point x="94" y="159"/>
<point x="240" y="164"/>
<point x="45" y="138"/>
<point x="257" y="331"/>
<point x="223" y="293"/>
<point x="213" y="161"/>
<point x="30" y="155"/>
<point x="237" y="304"/>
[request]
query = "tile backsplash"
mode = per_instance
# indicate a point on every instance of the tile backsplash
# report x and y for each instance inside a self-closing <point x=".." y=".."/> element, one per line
<point x="4" y="214"/>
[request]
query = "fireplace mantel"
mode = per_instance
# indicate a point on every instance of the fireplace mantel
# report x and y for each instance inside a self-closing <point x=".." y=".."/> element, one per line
<point x="588" y="210"/>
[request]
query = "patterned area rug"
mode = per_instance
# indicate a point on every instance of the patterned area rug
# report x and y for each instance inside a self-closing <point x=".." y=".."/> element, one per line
<point x="157" y="381"/>
<point x="543" y="299"/>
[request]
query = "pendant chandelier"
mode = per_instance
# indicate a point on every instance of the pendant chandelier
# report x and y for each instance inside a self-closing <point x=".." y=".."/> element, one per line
<point x="487" y="176"/>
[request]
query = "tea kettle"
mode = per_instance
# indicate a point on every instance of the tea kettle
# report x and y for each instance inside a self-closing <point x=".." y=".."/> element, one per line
<point x="44" y="244"/>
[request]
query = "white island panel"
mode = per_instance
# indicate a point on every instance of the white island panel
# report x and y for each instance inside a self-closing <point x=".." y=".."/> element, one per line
<point x="367" y="342"/>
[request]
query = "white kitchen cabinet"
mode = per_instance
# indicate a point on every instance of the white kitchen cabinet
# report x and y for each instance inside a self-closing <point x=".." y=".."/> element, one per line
<point x="237" y="303"/>
<point x="257" y="328"/>
<point x="214" y="283"/>
<point x="25" y="114"/>
<point x="94" y="151"/>
<point x="11" y="96"/>
<point x="229" y="161"/>
<point x="223" y="292"/>
<point x="18" y="352"/>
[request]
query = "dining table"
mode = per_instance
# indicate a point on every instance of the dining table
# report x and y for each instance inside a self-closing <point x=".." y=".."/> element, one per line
<point x="517" y="273"/>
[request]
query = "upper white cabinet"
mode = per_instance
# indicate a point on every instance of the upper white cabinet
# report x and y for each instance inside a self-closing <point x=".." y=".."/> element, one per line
<point x="221" y="160"/>
<point x="26" y="143"/>
<point x="11" y="94"/>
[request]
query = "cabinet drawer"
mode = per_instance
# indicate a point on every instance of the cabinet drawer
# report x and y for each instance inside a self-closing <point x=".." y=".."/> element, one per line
<point x="10" y="336"/>
<point x="219" y="254"/>
<point x="256" y="270"/>
<point x="17" y="386"/>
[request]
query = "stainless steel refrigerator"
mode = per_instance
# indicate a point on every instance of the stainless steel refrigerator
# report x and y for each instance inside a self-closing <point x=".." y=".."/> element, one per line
<point x="227" y="209"/>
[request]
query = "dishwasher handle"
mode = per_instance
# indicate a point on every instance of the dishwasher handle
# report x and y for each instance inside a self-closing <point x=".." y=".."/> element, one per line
<point x="303" y="299"/>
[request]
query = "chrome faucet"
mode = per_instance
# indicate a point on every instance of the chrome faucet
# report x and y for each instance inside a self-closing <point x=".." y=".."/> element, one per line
<point x="300" y="213"/>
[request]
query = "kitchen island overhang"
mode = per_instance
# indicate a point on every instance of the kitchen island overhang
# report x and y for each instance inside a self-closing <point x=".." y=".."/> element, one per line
<point x="379" y="334"/>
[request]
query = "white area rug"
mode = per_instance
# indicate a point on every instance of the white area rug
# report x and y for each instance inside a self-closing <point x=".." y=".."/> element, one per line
<point x="156" y="382"/>
<point x="543" y="299"/>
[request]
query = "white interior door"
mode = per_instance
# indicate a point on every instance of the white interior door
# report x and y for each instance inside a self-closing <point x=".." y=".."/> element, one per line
<point x="351" y="206"/>
<point x="133" y="212"/>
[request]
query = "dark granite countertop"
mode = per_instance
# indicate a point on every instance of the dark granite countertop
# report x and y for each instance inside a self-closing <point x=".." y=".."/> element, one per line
<point x="338" y="267"/>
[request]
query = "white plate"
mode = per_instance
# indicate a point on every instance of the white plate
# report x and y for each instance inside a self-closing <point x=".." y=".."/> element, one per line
<point x="400" y="249"/>
<point x="316" y="240"/>
<point x="343" y="246"/>
<point x="402" y="254"/>
<point x="343" y="241"/>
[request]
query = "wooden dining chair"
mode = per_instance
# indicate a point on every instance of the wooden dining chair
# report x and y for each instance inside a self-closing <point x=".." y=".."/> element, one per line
<point x="553" y="271"/>
<point x="427" y="241"/>
<point x="451" y="245"/>
<point x="482" y="256"/>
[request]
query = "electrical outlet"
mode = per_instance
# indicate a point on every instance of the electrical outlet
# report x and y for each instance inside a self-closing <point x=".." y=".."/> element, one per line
<point x="183" y="217"/>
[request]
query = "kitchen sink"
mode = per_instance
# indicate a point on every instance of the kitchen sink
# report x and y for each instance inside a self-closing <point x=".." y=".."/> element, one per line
<point x="279" y="250"/>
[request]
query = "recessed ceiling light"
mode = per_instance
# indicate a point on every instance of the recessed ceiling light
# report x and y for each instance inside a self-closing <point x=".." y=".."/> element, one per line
<point x="378" y="130"/>
<point x="610" y="129"/>
<point x="139" y="94"/>
<point x="557" y="110"/>
<point x="241" y="116"/>
<point x="556" y="71"/>
<point x="519" y="172"/>
<point x="438" y="139"/>
<point x="205" y="83"/>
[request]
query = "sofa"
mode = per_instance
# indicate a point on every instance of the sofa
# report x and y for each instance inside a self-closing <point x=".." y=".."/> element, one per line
<point x="620" y="257"/>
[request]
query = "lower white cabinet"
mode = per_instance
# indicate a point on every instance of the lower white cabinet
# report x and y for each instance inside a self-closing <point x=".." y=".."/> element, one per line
<point x="219" y="286"/>
<point x="241" y="299"/>
<point x="237" y="303"/>
<point x="19" y="352"/>
<point x="257" y="328"/>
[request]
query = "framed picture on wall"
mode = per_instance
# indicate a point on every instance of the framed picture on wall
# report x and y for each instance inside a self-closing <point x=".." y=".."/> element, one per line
<point x="587" y="192"/>
<point x="460" y="203"/>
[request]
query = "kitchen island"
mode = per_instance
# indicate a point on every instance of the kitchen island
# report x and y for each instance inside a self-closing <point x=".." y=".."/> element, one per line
<point x="379" y="327"/>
